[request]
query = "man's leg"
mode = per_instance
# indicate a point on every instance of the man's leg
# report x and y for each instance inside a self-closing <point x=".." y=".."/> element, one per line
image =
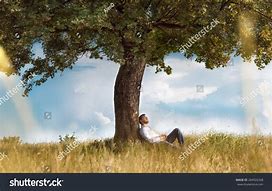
<point x="175" y="134"/>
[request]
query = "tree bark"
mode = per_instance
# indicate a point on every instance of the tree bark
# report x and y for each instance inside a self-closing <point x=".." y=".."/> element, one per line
<point x="127" y="99"/>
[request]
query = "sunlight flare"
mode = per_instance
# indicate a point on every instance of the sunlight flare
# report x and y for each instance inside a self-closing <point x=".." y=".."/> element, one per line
<point x="5" y="65"/>
<point x="246" y="27"/>
<point x="23" y="107"/>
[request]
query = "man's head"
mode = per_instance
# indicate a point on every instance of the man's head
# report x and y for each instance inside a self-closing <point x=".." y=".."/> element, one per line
<point x="143" y="119"/>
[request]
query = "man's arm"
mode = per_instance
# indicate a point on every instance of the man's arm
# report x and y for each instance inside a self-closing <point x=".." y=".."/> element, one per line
<point x="147" y="136"/>
<point x="163" y="137"/>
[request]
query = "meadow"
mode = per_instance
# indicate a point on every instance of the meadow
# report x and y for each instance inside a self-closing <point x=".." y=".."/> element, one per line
<point x="219" y="153"/>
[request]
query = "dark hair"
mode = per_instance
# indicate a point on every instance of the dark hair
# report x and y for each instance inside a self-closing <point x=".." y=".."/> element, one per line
<point x="141" y="117"/>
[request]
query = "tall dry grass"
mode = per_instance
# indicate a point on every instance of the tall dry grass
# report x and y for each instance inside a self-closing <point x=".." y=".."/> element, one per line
<point x="219" y="153"/>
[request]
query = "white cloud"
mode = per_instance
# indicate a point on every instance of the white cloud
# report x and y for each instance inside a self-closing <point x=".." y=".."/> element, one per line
<point x="73" y="126"/>
<point x="80" y="89"/>
<point x="173" y="88"/>
<point x="267" y="107"/>
<point x="162" y="92"/>
<point x="102" y="118"/>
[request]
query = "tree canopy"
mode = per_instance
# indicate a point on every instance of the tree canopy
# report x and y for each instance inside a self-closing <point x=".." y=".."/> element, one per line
<point x="129" y="30"/>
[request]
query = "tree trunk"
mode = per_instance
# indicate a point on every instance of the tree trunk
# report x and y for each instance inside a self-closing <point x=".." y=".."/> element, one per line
<point x="126" y="100"/>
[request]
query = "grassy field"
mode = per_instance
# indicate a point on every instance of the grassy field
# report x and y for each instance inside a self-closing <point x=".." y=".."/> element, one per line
<point x="219" y="153"/>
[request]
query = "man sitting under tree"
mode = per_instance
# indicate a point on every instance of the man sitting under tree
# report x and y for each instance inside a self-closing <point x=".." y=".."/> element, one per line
<point x="151" y="136"/>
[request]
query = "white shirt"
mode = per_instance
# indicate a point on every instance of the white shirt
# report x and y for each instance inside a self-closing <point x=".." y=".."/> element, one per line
<point x="148" y="134"/>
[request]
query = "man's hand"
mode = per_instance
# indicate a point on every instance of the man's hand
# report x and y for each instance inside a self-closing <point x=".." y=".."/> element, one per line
<point x="163" y="137"/>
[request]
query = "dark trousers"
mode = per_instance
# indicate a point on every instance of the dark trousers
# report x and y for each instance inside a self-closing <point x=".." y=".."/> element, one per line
<point x="175" y="134"/>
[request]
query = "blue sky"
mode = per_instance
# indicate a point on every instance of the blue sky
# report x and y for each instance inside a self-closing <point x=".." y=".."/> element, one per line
<point x="81" y="101"/>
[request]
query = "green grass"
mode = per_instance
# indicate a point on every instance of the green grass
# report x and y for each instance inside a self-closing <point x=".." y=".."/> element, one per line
<point x="219" y="153"/>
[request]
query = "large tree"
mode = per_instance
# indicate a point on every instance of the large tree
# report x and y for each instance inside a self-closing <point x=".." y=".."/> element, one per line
<point x="132" y="33"/>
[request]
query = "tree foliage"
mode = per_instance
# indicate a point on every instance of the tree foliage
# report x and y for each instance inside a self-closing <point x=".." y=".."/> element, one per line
<point x="131" y="29"/>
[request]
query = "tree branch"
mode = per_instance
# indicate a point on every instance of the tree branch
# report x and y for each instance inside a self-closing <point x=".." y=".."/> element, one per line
<point x="224" y="4"/>
<point x="168" y="25"/>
